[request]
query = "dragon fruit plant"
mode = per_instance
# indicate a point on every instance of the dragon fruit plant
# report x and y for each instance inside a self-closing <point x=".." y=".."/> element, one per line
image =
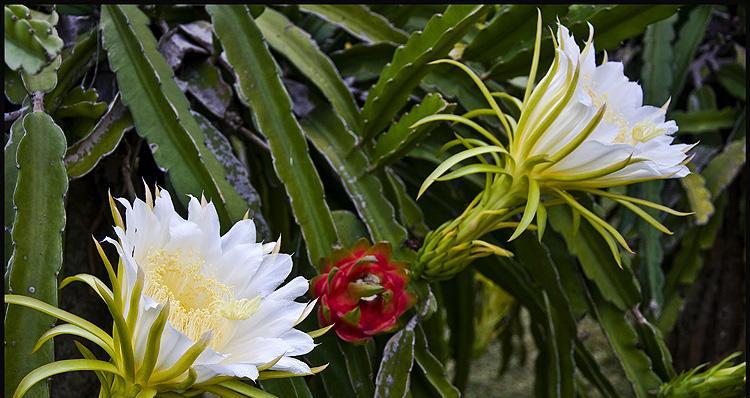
<point x="384" y="200"/>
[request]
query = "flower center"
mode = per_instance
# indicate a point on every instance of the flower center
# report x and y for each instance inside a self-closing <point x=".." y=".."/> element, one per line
<point x="198" y="303"/>
<point x="610" y="116"/>
<point x="641" y="132"/>
<point x="371" y="280"/>
<point x="645" y="131"/>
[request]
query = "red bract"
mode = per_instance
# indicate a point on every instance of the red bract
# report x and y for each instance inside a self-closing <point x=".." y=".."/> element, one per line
<point x="362" y="292"/>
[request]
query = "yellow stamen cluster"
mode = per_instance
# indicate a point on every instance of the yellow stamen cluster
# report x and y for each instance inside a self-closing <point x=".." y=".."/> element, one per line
<point x="644" y="131"/>
<point x="611" y="116"/>
<point x="198" y="303"/>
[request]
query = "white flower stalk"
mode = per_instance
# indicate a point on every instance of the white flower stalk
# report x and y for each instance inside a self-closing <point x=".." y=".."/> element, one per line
<point x="192" y="309"/>
<point x="582" y="128"/>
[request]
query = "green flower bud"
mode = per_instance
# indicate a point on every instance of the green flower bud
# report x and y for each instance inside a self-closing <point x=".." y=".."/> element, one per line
<point x="719" y="381"/>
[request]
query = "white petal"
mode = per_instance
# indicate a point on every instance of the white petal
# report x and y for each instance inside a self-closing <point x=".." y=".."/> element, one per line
<point x="591" y="156"/>
<point x="242" y="232"/>
<point x="274" y="317"/>
<point x="238" y="266"/>
<point x="163" y="207"/>
<point x="300" y="342"/>
<point x="209" y="371"/>
<point x="188" y="238"/>
<point x="129" y="265"/>
<point x="293" y="289"/>
<point x="172" y="348"/>
<point x="271" y="273"/>
<point x="566" y="126"/>
<point x="148" y="312"/>
<point x="205" y="217"/>
<point x="258" y="351"/>
<point x="292" y="365"/>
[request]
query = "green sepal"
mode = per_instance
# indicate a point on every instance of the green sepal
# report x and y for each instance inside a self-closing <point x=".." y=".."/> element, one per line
<point x="181" y="385"/>
<point x="153" y="344"/>
<point x="326" y="313"/>
<point x="55" y="312"/>
<point x="68" y="365"/>
<point x="576" y="221"/>
<point x="331" y="274"/>
<point x="271" y="363"/>
<point x="383" y="247"/>
<point x="529" y="163"/>
<point x="278" y="374"/>
<point x="186" y="360"/>
<point x="75" y="330"/>
<point x="352" y="317"/>
<point x="105" y="379"/>
<point x="454" y="160"/>
<point x="319" y="332"/>
<point x="362" y="289"/>
<point x="532" y="204"/>
<point x="594" y="219"/>
<point x="242" y="388"/>
<point x="541" y="220"/>
<point x="95" y="283"/>
<point x="135" y="298"/>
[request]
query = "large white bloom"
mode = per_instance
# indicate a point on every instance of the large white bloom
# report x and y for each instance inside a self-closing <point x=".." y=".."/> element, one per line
<point x="220" y="289"/>
<point x="591" y="122"/>
<point x="584" y="127"/>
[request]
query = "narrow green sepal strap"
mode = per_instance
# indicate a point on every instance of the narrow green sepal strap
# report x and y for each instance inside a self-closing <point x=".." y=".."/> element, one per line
<point x="68" y="365"/>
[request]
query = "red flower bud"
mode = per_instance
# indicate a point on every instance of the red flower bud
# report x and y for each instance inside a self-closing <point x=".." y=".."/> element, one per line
<point x="362" y="291"/>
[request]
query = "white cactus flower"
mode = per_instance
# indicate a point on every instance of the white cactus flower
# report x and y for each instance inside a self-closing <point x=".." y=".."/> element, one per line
<point x="631" y="142"/>
<point x="222" y="293"/>
<point x="193" y="311"/>
<point x="583" y="127"/>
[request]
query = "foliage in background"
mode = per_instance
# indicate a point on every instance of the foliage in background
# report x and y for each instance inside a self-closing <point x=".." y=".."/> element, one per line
<point x="302" y="115"/>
